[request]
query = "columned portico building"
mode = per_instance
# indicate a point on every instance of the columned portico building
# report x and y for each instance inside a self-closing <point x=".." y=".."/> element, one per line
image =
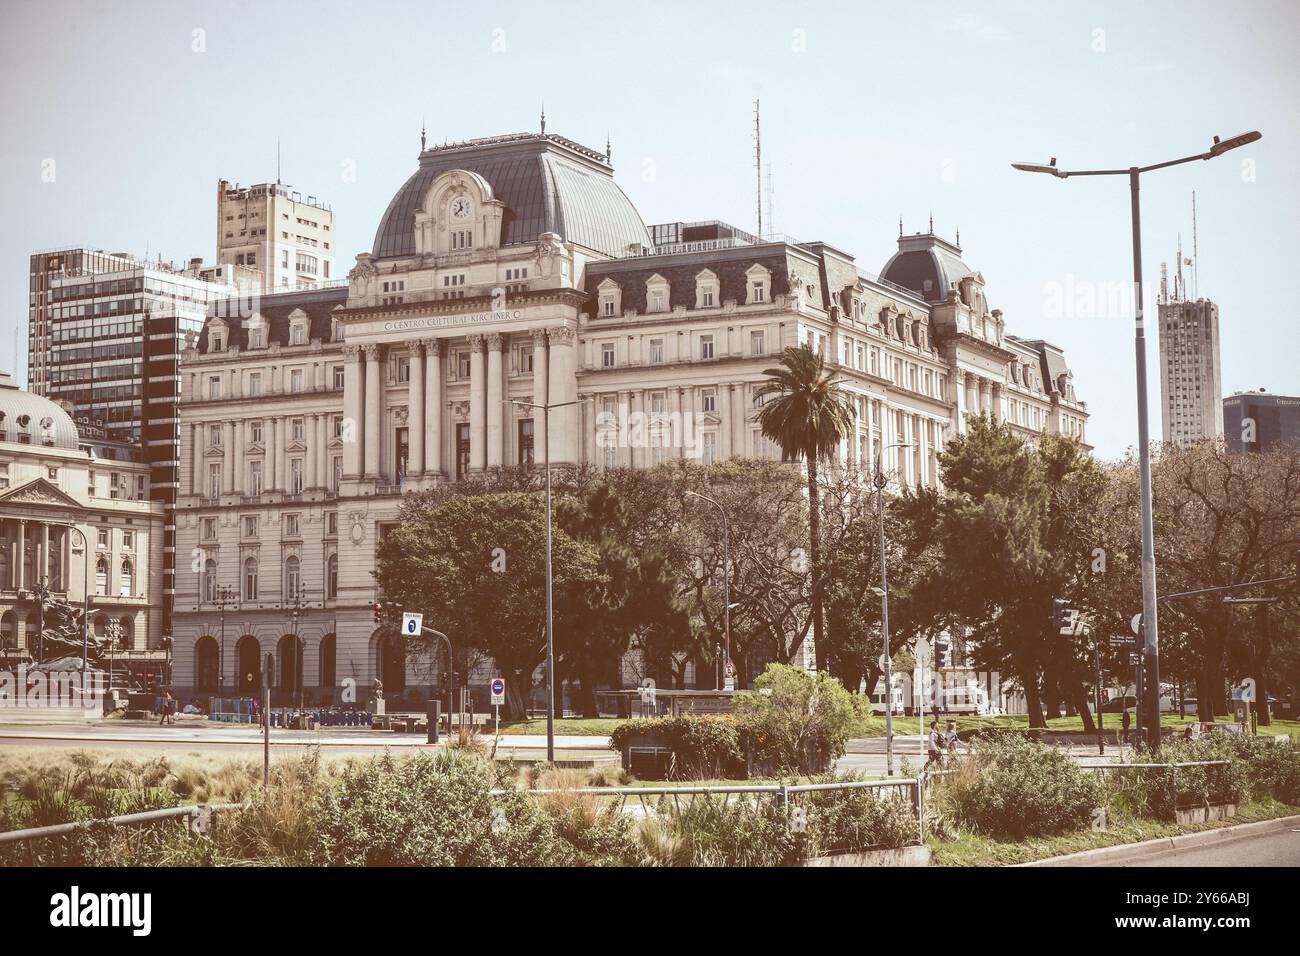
<point x="514" y="269"/>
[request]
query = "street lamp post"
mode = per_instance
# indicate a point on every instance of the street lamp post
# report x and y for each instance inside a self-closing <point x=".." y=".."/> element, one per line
<point x="225" y="595"/>
<point x="297" y="606"/>
<point x="550" y="641"/>
<point x="726" y="582"/>
<point x="1151" y="632"/>
<point x="880" y="481"/>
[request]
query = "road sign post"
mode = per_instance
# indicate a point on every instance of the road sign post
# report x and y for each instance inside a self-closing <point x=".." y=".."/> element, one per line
<point x="412" y="623"/>
<point x="498" y="698"/>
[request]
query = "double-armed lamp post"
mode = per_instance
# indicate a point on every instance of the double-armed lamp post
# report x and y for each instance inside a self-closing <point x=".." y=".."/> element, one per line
<point x="1150" y="627"/>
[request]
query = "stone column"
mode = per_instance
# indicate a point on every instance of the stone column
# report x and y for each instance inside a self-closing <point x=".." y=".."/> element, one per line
<point x="959" y="401"/>
<point x="677" y="420"/>
<point x="228" y="457"/>
<point x="237" y="486"/>
<point x="373" y="410"/>
<point x="196" y="460"/>
<point x="322" y="438"/>
<point x="562" y="384"/>
<point x="986" y="397"/>
<point x="477" y="399"/>
<point x="434" y="406"/>
<point x="541" y="381"/>
<point x="415" y="416"/>
<point x="309" y="456"/>
<point x="494" y="407"/>
<point x="995" y="407"/>
<point x="43" y="555"/>
<point x="740" y="420"/>
<point x="20" y="565"/>
<point x="638" y="429"/>
<point x="278" y="458"/>
<point x="353" y="405"/>
<point x="726" y="411"/>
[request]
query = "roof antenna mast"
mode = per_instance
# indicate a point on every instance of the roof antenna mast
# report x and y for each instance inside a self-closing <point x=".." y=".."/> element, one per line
<point x="277" y="161"/>
<point x="1196" y="259"/>
<point x="758" y="170"/>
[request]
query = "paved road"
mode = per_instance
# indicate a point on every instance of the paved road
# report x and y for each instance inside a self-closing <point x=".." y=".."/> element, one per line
<point x="1278" y="848"/>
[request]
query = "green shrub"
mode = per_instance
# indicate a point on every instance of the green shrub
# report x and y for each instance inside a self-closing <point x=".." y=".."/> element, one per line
<point x="1159" y="792"/>
<point x="703" y="747"/>
<point x="1010" y="787"/>
<point x="794" y="721"/>
<point x="709" y="832"/>
<point x="850" y="821"/>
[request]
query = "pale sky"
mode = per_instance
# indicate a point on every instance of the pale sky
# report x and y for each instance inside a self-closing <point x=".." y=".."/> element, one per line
<point x="870" y="111"/>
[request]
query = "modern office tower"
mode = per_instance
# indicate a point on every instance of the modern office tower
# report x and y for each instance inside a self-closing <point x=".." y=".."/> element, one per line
<point x="105" y="332"/>
<point x="1191" y="389"/>
<point x="1259" y="421"/>
<point x="271" y="228"/>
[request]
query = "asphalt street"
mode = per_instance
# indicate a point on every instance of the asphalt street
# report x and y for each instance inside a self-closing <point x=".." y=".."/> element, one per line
<point x="1275" y="848"/>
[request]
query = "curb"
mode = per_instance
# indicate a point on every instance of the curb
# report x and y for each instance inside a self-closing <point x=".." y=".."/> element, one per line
<point x="1108" y="855"/>
<point x="367" y="742"/>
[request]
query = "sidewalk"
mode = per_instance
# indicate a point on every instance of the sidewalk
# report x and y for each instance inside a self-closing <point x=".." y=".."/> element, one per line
<point x="231" y="734"/>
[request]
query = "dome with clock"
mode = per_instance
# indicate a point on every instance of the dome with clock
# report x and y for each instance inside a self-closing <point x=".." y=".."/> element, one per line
<point x="544" y="184"/>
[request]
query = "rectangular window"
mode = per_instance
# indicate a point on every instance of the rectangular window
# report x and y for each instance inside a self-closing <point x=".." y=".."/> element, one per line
<point x="526" y="441"/>
<point x="607" y="355"/>
<point x="706" y="298"/>
<point x="102" y="538"/>
<point x="214" y="479"/>
<point x="709" y="400"/>
<point x="254" y="384"/>
<point x="710" y="447"/>
<point x="331" y="522"/>
<point x="250" y="526"/>
<point x="338" y="376"/>
<point x="706" y="346"/>
<point x="656" y="351"/>
<point x="526" y="359"/>
<point x="338" y="471"/>
<point x="336" y="426"/>
<point x="462" y="364"/>
<point x="214" y="436"/>
<point x="403" y="369"/>
<point x="295" y="380"/>
<point x="607" y="306"/>
<point x="255" y="432"/>
<point x="214" y="386"/>
<point x="760" y="292"/>
<point x="295" y="476"/>
<point x="296" y="428"/>
<point x="254" y="478"/>
<point x="291" y="529"/>
<point x="209" y="528"/>
<point x="757" y="342"/>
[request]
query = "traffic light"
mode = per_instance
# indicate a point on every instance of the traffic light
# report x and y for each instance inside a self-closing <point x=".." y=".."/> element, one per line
<point x="1060" y="613"/>
<point x="379" y="612"/>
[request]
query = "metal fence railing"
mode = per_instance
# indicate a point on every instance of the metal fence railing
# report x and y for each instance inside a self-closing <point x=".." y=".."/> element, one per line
<point x="196" y="816"/>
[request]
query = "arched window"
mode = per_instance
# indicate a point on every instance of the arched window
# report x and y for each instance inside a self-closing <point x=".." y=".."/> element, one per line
<point x="210" y="580"/>
<point x="101" y="577"/>
<point x="327" y="658"/>
<point x="332" y="576"/>
<point x="292" y="578"/>
<point x="128" y="580"/>
<point x="290" y="663"/>
<point x="250" y="579"/>
<point x="206" y="664"/>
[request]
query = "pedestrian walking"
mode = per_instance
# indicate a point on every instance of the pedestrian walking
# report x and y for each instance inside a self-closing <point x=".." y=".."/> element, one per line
<point x="1125" y="722"/>
<point x="168" y="708"/>
<point x="950" y="738"/>
<point x="934" y="747"/>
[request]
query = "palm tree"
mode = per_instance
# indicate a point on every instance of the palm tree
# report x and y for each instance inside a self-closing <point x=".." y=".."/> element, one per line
<point x="809" y="418"/>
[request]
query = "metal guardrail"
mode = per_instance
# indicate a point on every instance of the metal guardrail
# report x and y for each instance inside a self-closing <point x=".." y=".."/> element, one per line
<point x="196" y="815"/>
<point x="1153" y="766"/>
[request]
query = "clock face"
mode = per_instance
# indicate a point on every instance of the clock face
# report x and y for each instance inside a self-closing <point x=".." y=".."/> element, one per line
<point x="460" y="207"/>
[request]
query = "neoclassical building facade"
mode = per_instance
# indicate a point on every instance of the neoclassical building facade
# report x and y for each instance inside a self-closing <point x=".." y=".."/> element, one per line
<point x="509" y="272"/>
<point x="76" y="517"/>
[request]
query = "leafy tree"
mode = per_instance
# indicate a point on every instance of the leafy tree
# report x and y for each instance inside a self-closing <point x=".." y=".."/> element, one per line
<point x="809" y="415"/>
<point x="476" y="567"/>
<point x="1009" y="547"/>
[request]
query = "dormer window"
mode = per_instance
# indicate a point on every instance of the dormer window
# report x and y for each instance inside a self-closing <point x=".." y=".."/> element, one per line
<point x="610" y="295"/>
<point x="257" y="332"/>
<point x="297" y="327"/>
<point x="706" y="290"/>
<point x="758" y="285"/>
<point x="656" y="294"/>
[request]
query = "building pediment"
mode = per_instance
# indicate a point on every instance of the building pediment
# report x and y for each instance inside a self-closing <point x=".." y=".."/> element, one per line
<point x="39" y="492"/>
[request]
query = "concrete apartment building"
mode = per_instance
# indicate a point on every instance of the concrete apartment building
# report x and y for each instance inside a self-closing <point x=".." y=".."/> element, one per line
<point x="63" y="492"/>
<point x="1191" y="386"/>
<point x="514" y="267"/>
<point x="288" y="238"/>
